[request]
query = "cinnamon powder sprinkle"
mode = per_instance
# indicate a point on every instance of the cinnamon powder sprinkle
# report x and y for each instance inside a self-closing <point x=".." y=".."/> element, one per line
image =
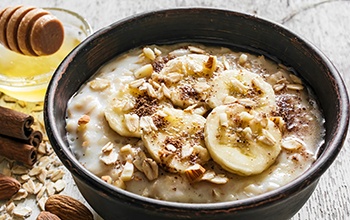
<point x="145" y="106"/>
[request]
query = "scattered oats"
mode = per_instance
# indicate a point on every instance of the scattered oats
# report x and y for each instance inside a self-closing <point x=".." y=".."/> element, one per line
<point x="139" y="158"/>
<point x="245" y="116"/>
<point x="292" y="144"/>
<point x="219" y="179"/>
<point x="41" y="203"/>
<point x="50" y="189"/>
<point x="29" y="186"/>
<point x="279" y="122"/>
<point x="186" y="150"/>
<point x="107" y="179"/>
<point x="267" y="138"/>
<point x="5" y="216"/>
<point x="108" y="147"/>
<point x="58" y="174"/>
<point x="132" y="122"/>
<point x="119" y="183"/>
<point x="211" y="176"/>
<point x="238" y="85"/>
<point x="109" y="158"/>
<point x="25" y="177"/>
<point x="170" y="147"/>
<point x="173" y="77"/>
<point x="194" y="49"/>
<point x="42" y="148"/>
<point x="40" y="194"/>
<point x="136" y="83"/>
<point x="223" y="120"/>
<point x="147" y="124"/>
<point x="148" y="52"/>
<point x="154" y="84"/>
<point x="127" y="105"/>
<point x="157" y="51"/>
<point x="243" y="58"/>
<point x="150" y="169"/>
<point x="278" y="87"/>
<point x="151" y="92"/>
<point x="226" y="64"/>
<point x="296" y="87"/>
<point x="229" y="99"/>
<point x="248" y="133"/>
<point x="21" y="194"/>
<point x="201" y="87"/>
<point x="44" y="161"/>
<point x="38" y="187"/>
<point x="35" y="171"/>
<point x="10" y="207"/>
<point x="165" y="90"/>
<point x="144" y="71"/>
<point x="246" y="102"/>
<point x="23" y="212"/>
<point x="60" y="185"/>
<point x="99" y="84"/>
<point x="127" y="172"/>
<point x="42" y="176"/>
<point x="126" y="149"/>
<point x="295" y="79"/>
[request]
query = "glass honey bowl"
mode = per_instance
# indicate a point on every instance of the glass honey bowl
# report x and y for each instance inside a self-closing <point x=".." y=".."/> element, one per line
<point x="26" y="77"/>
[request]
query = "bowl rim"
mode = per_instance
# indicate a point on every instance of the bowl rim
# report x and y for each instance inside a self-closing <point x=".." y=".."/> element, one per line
<point x="324" y="160"/>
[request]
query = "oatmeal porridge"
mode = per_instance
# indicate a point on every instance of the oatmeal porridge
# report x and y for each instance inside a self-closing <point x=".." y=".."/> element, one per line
<point x="194" y="123"/>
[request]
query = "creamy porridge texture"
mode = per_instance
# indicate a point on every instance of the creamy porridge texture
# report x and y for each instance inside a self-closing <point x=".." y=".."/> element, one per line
<point x="194" y="123"/>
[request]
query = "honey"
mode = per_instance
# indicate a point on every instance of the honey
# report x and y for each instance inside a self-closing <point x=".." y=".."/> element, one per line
<point x="26" y="77"/>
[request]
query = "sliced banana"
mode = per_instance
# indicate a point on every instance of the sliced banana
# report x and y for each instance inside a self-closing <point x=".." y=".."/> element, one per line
<point x="244" y="87"/>
<point x="176" y="141"/>
<point x="241" y="140"/>
<point x="127" y="109"/>
<point x="187" y="78"/>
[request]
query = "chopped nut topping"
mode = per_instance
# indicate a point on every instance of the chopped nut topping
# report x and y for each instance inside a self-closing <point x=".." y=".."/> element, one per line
<point x="84" y="120"/>
<point x="194" y="172"/>
<point x="148" y="52"/>
<point x="144" y="71"/>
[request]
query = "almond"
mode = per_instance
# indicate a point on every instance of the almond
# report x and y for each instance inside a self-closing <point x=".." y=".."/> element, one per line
<point x="44" y="215"/>
<point x="66" y="207"/>
<point x="8" y="187"/>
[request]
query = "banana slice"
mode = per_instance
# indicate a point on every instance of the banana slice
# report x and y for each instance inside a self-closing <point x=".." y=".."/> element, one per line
<point x="244" y="87"/>
<point x="241" y="140"/>
<point x="130" y="105"/>
<point x="187" y="78"/>
<point x="175" y="140"/>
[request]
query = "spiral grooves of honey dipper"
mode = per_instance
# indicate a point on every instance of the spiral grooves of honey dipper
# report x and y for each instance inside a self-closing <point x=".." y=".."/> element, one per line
<point x="30" y="31"/>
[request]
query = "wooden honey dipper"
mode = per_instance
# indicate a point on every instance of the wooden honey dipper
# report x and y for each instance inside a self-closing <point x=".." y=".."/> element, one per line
<point x="30" y="31"/>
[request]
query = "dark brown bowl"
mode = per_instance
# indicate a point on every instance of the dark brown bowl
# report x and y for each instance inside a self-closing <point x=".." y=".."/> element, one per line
<point x="208" y="26"/>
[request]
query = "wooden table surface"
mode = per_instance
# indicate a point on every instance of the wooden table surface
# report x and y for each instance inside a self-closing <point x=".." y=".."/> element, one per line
<point x="325" y="23"/>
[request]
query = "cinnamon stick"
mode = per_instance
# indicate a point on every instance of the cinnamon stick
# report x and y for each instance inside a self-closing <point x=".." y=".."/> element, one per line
<point x="17" y="150"/>
<point x="15" y="124"/>
<point x="35" y="138"/>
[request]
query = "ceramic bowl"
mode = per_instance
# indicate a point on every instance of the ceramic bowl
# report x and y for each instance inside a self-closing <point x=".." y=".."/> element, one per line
<point x="207" y="26"/>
